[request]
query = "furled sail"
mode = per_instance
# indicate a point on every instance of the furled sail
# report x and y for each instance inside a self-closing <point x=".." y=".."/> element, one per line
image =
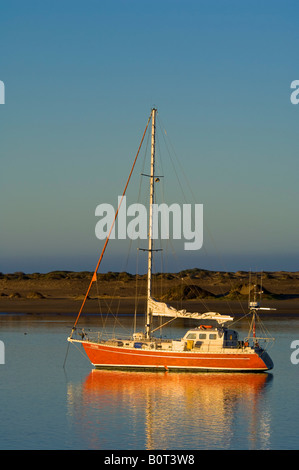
<point x="164" y="310"/>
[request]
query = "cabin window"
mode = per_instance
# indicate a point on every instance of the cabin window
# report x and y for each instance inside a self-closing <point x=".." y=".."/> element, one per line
<point x="202" y="336"/>
<point x="191" y="336"/>
<point x="212" y="336"/>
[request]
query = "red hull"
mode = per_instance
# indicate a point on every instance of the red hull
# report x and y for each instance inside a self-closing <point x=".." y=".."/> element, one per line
<point x="104" y="356"/>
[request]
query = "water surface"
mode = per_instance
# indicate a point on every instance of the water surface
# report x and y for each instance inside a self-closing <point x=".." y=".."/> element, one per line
<point x="46" y="406"/>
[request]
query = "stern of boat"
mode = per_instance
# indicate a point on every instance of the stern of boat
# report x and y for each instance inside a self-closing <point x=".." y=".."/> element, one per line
<point x="265" y="358"/>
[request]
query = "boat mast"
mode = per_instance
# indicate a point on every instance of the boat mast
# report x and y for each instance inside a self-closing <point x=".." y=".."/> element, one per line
<point x="150" y="235"/>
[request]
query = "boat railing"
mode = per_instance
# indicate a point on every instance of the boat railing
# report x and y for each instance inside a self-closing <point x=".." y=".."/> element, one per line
<point x="100" y="336"/>
<point x="259" y="339"/>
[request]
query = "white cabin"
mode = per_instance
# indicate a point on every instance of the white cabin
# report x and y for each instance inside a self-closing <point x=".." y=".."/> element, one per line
<point x="207" y="338"/>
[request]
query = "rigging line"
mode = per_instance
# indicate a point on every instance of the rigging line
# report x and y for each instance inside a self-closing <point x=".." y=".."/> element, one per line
<point x="103" y="317"/>
<point x="136" y="292"/>
<point x="115" y="217"/>
<point x="103" y="320"/>
<point x="109" y="305"/>
<point x="67" y="350"/>
<point x="164" y="324"/>
<point x="174" y="168"/>
<point x="181" y="169"/>
<point x="80" y="351"/>
<point x="262" y="326"/>
<point x="114" y="316"/>
<point x="163" y="198"/>
<point x="131" y="239"/>
<point x="161" y="270"/>
<point x="138" y="200"/>
<point x="190" y="189"/>
<point x="111" y="312"/>
<point x="159" y="163"/>
<point x="246" y="315"/>
<point x="171" y="244"/>
<point x="177" y="159"/>
<point x="183" y="280"/>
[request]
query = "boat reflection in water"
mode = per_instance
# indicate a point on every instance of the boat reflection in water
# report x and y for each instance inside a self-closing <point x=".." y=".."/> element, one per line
<point x="136" y="410"/>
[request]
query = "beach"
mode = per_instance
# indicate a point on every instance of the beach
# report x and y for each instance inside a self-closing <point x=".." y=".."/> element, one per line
<point x="62" y="292"/>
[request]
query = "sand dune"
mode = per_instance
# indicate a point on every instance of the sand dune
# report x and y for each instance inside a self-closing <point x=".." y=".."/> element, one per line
<point x="63" y="291"/>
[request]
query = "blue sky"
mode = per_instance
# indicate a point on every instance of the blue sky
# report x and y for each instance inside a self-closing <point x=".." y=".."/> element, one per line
<point x="80" y="80"/>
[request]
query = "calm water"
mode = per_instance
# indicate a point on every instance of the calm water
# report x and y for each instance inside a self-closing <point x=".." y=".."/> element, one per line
<point x="44" y="406"/>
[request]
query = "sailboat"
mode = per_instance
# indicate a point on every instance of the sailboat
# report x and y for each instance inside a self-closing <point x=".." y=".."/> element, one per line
<point x="207" y="347"/>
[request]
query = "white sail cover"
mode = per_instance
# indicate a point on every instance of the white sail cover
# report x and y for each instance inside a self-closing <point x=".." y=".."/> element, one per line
<point x="164" y="310"/>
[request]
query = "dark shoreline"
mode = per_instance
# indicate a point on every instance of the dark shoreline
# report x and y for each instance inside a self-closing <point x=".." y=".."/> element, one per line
<point x="127" y="307"/>
<point x="196" y="290"/>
